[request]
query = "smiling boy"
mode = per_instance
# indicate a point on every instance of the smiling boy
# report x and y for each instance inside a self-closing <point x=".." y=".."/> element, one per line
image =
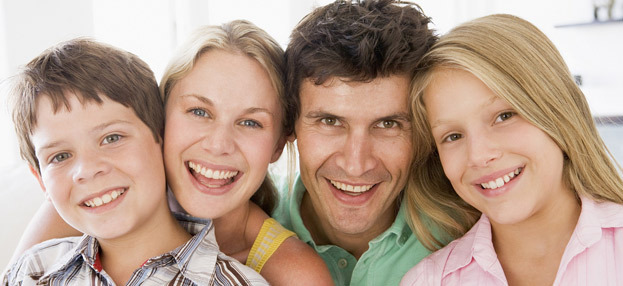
<point x="89" y="119"/>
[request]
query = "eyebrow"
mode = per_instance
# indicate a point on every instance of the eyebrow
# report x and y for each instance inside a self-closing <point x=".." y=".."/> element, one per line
<point x="399" y="116"/>
<point x="95" y="129"/>
<point x="199" y="97"/>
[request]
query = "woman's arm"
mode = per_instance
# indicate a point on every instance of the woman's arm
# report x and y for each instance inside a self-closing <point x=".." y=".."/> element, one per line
<point x="45" y="224"/>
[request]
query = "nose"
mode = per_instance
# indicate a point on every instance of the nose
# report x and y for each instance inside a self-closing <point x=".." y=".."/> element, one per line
<point x="90" y="165"/>
<point x="357" y="155"/>
<point x="218" y="140"/>
<point x="482" y="150"/>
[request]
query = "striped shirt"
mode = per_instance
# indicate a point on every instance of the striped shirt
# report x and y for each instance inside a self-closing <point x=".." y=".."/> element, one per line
<point x="75" y="261"/>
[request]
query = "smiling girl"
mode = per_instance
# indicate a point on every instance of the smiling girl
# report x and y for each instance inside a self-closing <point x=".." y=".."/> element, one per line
<point x="509" y="149"/>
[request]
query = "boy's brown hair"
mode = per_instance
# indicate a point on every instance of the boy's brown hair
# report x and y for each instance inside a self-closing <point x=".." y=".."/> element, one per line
<point x="89" y="70"/>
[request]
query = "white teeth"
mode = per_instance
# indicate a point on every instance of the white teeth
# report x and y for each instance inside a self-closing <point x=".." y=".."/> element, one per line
<point x="350" y="189"/>
<point x="501" y="181"/>
<point x="212" y="174"/>
<point x="106" y="198"/>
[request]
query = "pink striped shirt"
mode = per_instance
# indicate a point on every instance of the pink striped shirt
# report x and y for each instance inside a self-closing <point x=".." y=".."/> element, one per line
<point x="593" y="256"/>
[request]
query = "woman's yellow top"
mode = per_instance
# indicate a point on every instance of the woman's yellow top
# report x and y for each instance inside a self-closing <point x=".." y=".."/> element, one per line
<point x="266" y="243"/>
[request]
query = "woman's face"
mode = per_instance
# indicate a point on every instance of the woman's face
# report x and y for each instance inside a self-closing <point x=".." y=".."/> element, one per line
<point x="223" y="128"/>
<point x="495" y="159"/>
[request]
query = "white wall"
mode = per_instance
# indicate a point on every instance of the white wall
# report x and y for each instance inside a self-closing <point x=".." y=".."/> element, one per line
<point x="152" y="29"/>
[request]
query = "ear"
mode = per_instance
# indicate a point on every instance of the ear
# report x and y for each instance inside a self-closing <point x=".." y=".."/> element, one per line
<point x="34" y="172"/>
<point x="278" y="149"/>
<point x="291" y="137"/>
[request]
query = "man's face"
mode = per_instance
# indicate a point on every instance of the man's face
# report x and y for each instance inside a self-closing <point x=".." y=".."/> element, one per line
<point x="354" y="141"/>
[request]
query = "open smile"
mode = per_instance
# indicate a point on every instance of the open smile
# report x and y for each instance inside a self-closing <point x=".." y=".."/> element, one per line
<point x="105" y="199"/>
<point x="351" y="190"/>
<point x="501" y="181"/>
<point x="212" y="178"/>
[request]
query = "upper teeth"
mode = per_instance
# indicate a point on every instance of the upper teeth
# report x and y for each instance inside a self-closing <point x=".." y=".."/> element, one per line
<point x="351" y="188"/>
<point x="501" y="181"/>
<point x="212" y="174"/>
<point x="106" y="198"/>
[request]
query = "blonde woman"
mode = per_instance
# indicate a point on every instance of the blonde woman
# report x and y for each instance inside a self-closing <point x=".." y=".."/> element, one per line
<point x="509" y="151"/>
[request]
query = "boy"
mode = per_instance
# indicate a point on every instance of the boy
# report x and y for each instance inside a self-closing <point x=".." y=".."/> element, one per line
<point x="89" y="120"/>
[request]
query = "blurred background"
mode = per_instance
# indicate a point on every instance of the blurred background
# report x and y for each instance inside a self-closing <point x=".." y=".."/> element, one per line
<point x="588" y="33"/>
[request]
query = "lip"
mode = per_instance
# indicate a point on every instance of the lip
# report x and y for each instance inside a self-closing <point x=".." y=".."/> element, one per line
<point x="105" y="207"/>
<point x="501" y="190"/>
<point x="207" y="190"/>
<point x="352" y="200"/>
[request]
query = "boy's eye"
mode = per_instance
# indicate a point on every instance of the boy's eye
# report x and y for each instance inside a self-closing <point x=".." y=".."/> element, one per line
<point x="250" y="123"/>
<point x="199" y="112"/>
<point x="111" y="139"/>
<point x="387" y="124"/>
<point x="60" y="157"/>
<point x="331" y="121"/>
<point x="504" y="116"/>
<point x="453" y="137"/>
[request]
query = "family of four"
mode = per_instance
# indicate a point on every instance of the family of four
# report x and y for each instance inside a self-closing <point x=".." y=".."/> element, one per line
<point x="476" y="146"/>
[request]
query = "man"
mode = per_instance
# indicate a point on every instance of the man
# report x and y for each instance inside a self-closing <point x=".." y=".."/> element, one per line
<point x="349" y="66"/>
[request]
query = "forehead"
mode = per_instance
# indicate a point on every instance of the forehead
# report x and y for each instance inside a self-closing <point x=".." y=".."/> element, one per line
<point x="340" y="97"/>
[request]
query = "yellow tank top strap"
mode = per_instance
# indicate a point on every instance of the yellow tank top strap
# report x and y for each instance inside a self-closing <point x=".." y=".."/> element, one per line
<point x="266" y="243"/>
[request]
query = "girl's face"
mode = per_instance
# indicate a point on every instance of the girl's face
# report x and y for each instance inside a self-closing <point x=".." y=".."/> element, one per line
<point x="223" y="128"/>
<point x="496" y="160"/>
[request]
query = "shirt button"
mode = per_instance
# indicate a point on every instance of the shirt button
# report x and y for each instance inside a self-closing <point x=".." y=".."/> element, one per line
<point x="342" y="263"/>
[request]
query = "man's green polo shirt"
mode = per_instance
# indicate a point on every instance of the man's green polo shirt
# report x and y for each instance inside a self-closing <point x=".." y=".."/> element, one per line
<point x="388" y="258"/>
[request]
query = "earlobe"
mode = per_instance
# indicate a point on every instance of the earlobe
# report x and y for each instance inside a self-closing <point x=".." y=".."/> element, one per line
<point x="278" y="149"/>
<point x="291" y="137"/>
<point x="35" y="173"/>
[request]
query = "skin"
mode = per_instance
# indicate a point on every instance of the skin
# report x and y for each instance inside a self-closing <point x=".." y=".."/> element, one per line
<point x="356" y="137"/>
<point x="480" y="138"/>
<point x="104" y="180"/>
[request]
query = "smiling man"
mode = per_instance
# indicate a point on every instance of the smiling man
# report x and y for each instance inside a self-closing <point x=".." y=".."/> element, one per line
<point x="349" y="66"/>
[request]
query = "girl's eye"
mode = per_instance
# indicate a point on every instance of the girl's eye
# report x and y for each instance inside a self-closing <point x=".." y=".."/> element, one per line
<point x="504" y="116"/>
<point x="453" y="137"/>
<point x="60" y="157"/>
<point x="250" y="123"/>
<point x="199" y="112"/>
<point x="331" y="121"/>
<point x="111" y="139"/>
<point x="387" y="124"/>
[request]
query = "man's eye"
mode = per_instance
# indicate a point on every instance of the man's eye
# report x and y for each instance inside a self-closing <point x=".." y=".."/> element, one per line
<point x="387" y="124"/>
<point x="60" y="157"/>
<point x="111" y="139"/>
<point x="331" y="121"/>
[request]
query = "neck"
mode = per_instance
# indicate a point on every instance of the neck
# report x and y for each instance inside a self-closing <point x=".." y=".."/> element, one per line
<point x="324" y="234"/>
<point x="539" y="241"/>
<point x="121" y="256"/>
<point x="231" y="231"/>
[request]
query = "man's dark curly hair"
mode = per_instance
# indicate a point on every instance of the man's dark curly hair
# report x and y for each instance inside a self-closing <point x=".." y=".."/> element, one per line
<point x="355" y="41"/>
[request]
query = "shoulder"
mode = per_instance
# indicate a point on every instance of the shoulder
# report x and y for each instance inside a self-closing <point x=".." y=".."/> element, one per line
<point x="39" y="259"/>
<point x="296" y="263"/>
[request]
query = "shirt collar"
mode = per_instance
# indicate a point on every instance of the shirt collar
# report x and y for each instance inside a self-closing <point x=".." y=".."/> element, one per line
<point x="595" y="216"/>
<point x="476" y="244"/>
<point x="85" y="251"/>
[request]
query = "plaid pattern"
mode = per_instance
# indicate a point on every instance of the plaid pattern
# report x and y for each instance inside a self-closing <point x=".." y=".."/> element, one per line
<point x="75" y="261"/>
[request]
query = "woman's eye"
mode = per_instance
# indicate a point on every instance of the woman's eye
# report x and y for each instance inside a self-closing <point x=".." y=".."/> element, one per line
<point x="250" y="123"/>
<point x="111" y="139"/>
<point x="453" y="137"/>
<point x="331" y="121"/>
<point x="504" y="116"/>
<point x="199" y="112"/>
<point x="60" y="157"/>
<point x="387" y="124"/>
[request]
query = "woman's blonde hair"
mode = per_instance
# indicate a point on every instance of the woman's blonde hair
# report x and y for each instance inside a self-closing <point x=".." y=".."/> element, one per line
<point x="522" y="66"/>
<point x="238" y="36"/>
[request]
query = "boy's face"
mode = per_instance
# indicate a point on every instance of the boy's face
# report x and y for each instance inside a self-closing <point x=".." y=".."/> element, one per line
<point x="100" y="166"/>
